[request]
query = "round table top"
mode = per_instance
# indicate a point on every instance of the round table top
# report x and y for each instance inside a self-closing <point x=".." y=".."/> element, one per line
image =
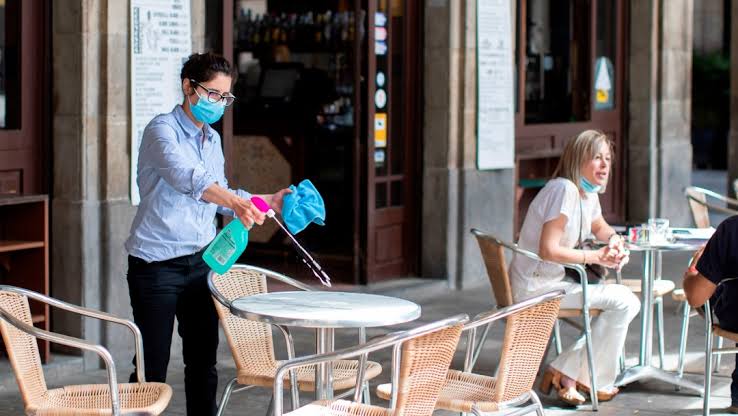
<point x="666" y="246"/>
<point x="325" y="309"/>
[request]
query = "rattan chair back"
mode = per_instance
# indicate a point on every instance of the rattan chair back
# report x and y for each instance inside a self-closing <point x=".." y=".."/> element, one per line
<point x="493" y="253"/>
<point x="250" y="341"/>
<point x="423" y="368"/>
<point x="22" y="349"/>
<point x="526" y="337"/>
<point x="698" y="206"/>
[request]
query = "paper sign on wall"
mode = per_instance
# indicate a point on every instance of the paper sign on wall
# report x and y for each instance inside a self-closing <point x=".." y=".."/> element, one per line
<point x="495" y="83"/>
<point x="380" y="130"/>
<point x="161" y="39"/>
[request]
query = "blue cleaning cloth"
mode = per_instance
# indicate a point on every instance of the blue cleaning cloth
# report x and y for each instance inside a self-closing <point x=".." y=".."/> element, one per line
<point x="303" y="206"/>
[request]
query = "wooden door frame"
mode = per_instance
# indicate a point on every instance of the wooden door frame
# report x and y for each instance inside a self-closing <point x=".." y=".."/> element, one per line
<point x="412" y="143"/>
<point x="561" y="132"/>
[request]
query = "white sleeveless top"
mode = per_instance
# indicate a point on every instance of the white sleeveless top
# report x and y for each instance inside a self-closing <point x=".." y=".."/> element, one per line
<point x="529" y="277"/>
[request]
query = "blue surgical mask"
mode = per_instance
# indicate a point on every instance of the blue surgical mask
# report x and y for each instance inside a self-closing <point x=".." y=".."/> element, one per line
<point x="205" y="111"/>
<point x="588" y="187"/>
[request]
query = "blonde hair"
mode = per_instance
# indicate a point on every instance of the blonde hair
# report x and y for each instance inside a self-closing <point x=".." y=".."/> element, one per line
<point x="578" y="151"/>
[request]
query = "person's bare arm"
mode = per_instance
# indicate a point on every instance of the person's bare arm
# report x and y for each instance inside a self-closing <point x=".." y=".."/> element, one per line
<point x="550" y="248"/>
<point x="602" y="230"/>
<point x="697" y="287"/>
<point x="243" y="208"/>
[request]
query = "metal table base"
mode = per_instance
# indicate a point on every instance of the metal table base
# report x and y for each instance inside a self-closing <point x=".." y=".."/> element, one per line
<point x="644" y="370"/>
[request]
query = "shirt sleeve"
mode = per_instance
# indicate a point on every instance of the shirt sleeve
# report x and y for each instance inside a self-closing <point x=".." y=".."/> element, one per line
<point x="717" y="263"/>
<point x="223" y="181"/>
<point x="563" y="198"/>
<point x="166" y="157"/>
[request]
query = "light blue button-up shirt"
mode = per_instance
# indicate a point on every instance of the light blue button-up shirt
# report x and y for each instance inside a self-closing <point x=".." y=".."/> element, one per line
<point x="175" y="166"/>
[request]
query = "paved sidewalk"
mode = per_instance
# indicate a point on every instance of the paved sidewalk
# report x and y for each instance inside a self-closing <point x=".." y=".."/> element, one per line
<point x="652" y="398"/>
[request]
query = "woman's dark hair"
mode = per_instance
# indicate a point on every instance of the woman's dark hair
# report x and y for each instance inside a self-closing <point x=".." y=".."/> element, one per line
<point x="202" y="67"/>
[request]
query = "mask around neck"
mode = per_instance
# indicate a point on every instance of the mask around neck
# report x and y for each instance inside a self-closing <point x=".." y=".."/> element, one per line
<point x="588" y="187"/>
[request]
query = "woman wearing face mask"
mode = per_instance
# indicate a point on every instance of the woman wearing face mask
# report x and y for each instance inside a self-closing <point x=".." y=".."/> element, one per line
<point x="182" y="184"/>
<point x="565" y="210"/>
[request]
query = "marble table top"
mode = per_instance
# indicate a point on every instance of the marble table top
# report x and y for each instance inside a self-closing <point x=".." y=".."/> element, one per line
<point x="325" y="309"/>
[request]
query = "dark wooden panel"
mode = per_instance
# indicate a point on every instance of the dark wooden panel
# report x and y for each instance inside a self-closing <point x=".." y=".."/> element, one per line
<point x="11" y="182"/>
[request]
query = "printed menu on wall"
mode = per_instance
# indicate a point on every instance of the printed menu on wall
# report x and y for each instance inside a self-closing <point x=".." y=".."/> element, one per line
<point x="161" y="40"/>
<point x="495" y="103"/>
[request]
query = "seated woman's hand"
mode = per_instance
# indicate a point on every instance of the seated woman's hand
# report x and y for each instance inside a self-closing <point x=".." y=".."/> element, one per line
<point x="607" y="257"/>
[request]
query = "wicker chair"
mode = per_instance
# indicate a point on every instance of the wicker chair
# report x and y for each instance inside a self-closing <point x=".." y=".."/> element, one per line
<point x="251" y="342"/>
<point x="420" y="361"/>
<point x="493" y="253"/>
<point x="19" y="336"/>
<point x="527" y="332"/>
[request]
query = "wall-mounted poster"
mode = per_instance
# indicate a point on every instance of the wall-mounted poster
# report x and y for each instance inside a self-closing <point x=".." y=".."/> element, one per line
<point x="161" y="40"/>
<point x="495" y="105"/>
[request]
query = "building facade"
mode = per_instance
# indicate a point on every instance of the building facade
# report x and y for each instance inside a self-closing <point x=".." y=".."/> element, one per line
<point x="409" y="197"/>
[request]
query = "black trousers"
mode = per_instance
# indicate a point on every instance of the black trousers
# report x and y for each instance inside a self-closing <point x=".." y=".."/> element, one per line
<point x="177" y="287"/>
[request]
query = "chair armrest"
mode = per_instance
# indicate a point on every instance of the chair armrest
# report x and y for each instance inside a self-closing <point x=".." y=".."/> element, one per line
<point x="74" y="343"/>
<point x="92" y="313"/>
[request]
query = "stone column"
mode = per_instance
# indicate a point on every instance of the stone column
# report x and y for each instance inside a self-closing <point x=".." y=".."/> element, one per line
<point x="659" y="149"/>
<point x="456" y="196"/>
<point x="92" y="211"/>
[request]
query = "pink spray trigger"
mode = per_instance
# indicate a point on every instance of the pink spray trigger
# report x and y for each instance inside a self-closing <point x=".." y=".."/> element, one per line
<point x="260" y="203"/>
<point x="262" y="206"/>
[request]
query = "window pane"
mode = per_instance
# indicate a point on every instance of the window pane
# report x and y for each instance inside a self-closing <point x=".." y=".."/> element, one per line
<point x="380" y="196"/>
<point x="557" y="69"/>
<point x="10" y="65"/>
<point x="396" y="190"/>
<point x="604" y="82"/>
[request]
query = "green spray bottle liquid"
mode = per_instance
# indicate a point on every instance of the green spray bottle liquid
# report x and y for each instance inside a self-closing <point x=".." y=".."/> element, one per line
<point x="227" y="247"/>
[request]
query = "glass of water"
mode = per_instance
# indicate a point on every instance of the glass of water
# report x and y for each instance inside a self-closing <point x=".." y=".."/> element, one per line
<point x="659" y="229"/>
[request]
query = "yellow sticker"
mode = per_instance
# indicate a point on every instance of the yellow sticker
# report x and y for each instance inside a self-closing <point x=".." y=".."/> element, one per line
<point x="603" y="96"/>
<point x="380" y="130"/>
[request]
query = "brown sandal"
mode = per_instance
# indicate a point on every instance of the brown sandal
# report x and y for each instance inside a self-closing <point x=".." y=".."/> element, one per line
<point x="602" y="395"/>
<point x="568" y="395"/>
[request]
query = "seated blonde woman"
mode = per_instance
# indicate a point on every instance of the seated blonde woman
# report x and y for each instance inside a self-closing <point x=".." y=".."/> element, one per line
<point x="566" y="210"/>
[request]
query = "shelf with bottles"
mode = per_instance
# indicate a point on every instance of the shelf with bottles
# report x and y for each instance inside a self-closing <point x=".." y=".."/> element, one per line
<point x="327" y="31"/>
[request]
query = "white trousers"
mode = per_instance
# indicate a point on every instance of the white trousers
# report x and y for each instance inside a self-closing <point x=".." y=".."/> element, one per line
<point x="619" y="306"/>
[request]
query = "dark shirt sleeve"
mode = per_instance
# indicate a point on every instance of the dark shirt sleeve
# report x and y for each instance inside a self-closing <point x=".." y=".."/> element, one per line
<point x="718" y="261"/>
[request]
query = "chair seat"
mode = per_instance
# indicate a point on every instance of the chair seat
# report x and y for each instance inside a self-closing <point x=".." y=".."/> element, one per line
<point x="716" y="330"/>
<point x="661" y="287"/>
<point x="679" y="295"/>
<point x="94" y="400"/>
<point x="344" y="375"/>
<point x="339" y="408"/>
<point x="461" y="392"/>
<point x="573" y="313"/>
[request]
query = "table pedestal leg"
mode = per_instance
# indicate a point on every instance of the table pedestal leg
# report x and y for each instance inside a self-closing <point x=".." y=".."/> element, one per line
<point x="324" y="371"/>
<point x="651" y="268"/>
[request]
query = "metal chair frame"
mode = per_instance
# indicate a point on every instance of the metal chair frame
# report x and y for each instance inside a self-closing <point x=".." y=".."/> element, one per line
<point x="79" y="343"/>
<point x="585" y="325"/>
<point x="285" y="331"/>
<point x="709" y="353"/>
<point x="394" y="339"/>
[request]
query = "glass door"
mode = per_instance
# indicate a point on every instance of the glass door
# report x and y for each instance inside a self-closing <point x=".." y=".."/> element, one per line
<point x="22" y="109"/>
<point x="570" y="67"/>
